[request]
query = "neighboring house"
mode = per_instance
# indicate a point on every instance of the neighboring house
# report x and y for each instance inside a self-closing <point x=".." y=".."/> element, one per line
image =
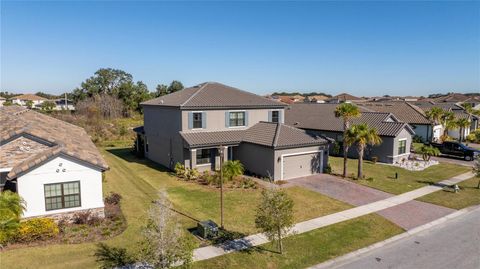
<point x="343" y="98"/>
<point x="320" y="99"/>
<point x="24" y="98"/>
<point x="195" y="125"/>
<point x="2" y="100"/>
<point x="60" y="104"/>
<point x="459" y="112"/>
<point x="288" y="99"/>
<point x="51" y="164"/>
<point x="411" y="114"/>
<point x="319" y="119"/>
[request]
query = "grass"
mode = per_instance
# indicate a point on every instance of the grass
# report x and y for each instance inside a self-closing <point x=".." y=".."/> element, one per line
<point x="384" y="175"/>
<point x="468" y="195"/>
<point x="138" y="181"/>
<point x="310" y="248"/>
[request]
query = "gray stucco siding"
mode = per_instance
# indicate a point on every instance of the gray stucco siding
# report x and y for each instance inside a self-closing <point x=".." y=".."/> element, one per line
<point x="256" y="159"/>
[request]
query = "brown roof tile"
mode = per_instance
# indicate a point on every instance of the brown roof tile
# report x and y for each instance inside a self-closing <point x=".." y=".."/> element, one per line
<point x="403" y="111"/>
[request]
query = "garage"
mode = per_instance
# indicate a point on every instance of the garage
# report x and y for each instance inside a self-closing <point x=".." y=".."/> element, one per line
<point x="301" y="164"/>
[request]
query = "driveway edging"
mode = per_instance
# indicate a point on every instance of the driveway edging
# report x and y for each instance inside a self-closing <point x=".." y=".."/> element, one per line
<point x="354" y="254"/>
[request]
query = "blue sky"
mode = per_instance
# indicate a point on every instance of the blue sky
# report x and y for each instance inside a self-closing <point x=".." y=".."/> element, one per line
<point x="365" y="48"/>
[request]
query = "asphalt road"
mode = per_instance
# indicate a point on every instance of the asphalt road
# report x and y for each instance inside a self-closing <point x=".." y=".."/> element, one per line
<point x="453" y="244"/>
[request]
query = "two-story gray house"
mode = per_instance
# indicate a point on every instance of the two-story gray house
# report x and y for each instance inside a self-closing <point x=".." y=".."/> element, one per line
<point x="194" y="125"/>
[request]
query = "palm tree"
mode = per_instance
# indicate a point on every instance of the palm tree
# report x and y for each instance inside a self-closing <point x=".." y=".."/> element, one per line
<point x="362" y="135"/>
<point x="11" y="209"/>
<point x="346" y="111"/>
<point x="462" y="123"/>
<point x="435" y="115"/>
<point x="232" y="169"/>
<point x="428" y="151"/>
<point x="448" y="118"/>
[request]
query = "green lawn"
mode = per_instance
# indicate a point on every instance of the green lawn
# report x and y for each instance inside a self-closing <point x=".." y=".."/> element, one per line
<point x="310" y="248"/>
<point x="383" y="175"/>
<point x="138" y="182"/>
<point x="468" y="195"/>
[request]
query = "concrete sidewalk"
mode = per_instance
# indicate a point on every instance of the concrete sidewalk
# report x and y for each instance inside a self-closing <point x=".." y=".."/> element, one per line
<point x="306" y="226"/>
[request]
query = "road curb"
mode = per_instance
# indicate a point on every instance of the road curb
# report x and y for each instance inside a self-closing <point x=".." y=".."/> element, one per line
<point x="354" y="254"/>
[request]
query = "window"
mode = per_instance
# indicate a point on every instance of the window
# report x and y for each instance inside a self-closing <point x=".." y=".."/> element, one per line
<point x="402" y="146"/>
<point x="276" y="116"/>
<point x="203" y="156"/>
<point x="62" y="195"/>
<point x="237" y="119"/>
<point x="197" y="120"/>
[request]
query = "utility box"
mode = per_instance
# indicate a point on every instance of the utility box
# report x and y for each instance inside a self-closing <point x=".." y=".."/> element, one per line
<point x="207" y="229"/>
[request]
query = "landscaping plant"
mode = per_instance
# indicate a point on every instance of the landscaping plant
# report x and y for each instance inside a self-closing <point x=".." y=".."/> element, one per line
<point x="428" y="151"/>
<point x="112" y="257"/>
<point x="232" y="169"/>
<point x="11" y="209"/>
<point x="164" y="241"/>
<point x="346" y="111"/>
<point x="36" y="229"/>
<point x="274" y="215"/>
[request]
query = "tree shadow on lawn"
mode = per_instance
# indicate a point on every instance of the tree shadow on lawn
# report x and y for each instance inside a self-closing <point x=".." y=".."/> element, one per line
<point x="128" y="155"/>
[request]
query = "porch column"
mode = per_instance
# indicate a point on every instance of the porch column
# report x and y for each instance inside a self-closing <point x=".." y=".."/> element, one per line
<point x="193" y="158"/>
<point x="217" y="157"/>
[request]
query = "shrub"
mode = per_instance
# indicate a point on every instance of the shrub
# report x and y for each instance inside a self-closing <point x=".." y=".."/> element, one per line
<point x="374" y="159"/>
<point x="112" y="257"/>
<point x="113" y="198"/>
<point x="191" y="174"/>
<point x="180" y="170"/>
<point x="417" y="139"/>
<point x="232" y="169"/>
<point x="36" y="229"/>
<point x="86" y="217"/>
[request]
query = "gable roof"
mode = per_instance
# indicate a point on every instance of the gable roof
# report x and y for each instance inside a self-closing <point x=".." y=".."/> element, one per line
<point x="269" y="134"/>
<point x="28" y="96"/>
<point x="21" y="125"/>
<point x="322" y="117"/>
<point x="213" y="95"/>
<point x="403" y="111"/>
<point x="345" y="97"/>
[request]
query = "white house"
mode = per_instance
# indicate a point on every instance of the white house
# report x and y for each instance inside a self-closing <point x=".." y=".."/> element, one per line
<point x="51" y="164"/>
<point x="24" y="98"/>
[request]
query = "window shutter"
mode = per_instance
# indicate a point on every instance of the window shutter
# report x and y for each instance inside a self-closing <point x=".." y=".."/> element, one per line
<point x="190" y="120"/>
<point x="246" y="118"/>
<point x="204" y="120"/>
<point x="269" y="116"/>
<point x="227" y="119"/>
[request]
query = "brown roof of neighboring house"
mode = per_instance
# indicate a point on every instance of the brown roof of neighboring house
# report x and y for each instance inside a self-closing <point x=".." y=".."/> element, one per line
<point x="403" y="111"/>
<point x="274" y="135"/>
<point x="315" y="116"/>
<point x="213" y="95"/>
<point x="28" y="96"/>
<point x="39" y="138"/>
<point x="453" y="97"/>
<point x="345" y="97"/>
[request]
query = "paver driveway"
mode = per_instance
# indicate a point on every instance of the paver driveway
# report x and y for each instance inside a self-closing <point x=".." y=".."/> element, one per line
<point x="408" y="215"/>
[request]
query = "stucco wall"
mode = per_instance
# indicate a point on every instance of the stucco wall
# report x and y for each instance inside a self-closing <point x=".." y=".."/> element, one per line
<point x="256" y="159"/>
<point x="31" y="185"/>
<point x="215" y="119"/>
<point x="165" y="145"/>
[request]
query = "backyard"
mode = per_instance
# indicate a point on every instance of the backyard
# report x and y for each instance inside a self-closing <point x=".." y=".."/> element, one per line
<point x="383" y="175"/>
<point x="138" y="181"/>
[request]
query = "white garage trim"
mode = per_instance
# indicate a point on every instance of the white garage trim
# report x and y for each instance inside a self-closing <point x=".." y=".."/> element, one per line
<point x="298" y="153"/>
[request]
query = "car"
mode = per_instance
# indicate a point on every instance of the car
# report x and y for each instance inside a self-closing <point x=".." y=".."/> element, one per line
<point x="457" y="149"/>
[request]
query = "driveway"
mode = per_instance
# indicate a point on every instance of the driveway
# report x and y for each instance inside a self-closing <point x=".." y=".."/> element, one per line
<point x="454" y="160"/>
<point x="408" y="215"/>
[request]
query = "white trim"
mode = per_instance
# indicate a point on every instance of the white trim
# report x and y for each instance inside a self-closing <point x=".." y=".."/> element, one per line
<point x="7" y="169"/>
<point x="402" y="139"/>
<point x="201" y="112"/>
<point x="394" y="156"/>
<point x="203" y="164"/>
<point x="298" y="153"/>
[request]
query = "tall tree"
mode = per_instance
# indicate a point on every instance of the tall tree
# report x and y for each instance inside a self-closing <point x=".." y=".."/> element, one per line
<point x="275" y="215"/>
<point x="362" y="135"/>
<point x="435" y="115"/>
<point x="175" y="86"/>
<point x="161" y="90"/>
<point x="462" y="124"/>
<point x="346" y="111"/>
<point x="448" y="121"/>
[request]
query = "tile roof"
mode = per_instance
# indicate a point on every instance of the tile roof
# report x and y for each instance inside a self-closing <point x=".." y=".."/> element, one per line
<point x="322" y="117"/>
<point x="23" y="129"/>
<point x="403" y="111"/>
<point x="345" y="97"/>
<point x="29" y="96"/>
<point x="213" y="95"/>
<point x="274" y="135"/>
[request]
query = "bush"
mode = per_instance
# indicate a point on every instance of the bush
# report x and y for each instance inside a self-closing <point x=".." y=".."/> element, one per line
<point x="86" y="217"/>
<point x="113" y="198"/>
<point x="191" y="174"/>
<point x="180" y="170"/>
<point x="374" y="159"/>
<point x="36" y="229"/>
<point x="112" y="257"/>
<point x="417" y="139"/>
<point x="328" y="169"/>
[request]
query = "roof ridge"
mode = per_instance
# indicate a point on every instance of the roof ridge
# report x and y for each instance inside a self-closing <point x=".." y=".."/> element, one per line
<point x="194" y="94"/>
<point x="277" y="134"/>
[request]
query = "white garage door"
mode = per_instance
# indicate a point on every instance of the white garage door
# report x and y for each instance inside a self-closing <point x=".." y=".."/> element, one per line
<point x="302" y="164"/>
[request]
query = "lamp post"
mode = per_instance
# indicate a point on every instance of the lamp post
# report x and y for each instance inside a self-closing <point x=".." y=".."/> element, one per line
<point x="220" y="150"/>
